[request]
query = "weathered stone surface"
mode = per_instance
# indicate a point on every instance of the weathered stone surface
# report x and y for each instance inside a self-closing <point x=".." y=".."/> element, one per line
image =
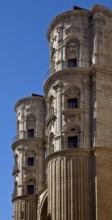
<point x="68" y="132"/>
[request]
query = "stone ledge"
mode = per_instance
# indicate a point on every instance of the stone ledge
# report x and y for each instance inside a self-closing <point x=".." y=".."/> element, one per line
<point x="70" y="153"/>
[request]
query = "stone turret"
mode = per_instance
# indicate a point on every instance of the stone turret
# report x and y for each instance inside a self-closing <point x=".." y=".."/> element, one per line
<point x="28" y="149"/>
<point x="63" y="147"/>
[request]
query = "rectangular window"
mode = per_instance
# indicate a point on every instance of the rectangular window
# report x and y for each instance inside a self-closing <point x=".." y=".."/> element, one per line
<point x="30" y="189"/>
<point x="30" y="161"/>
<point x="72" y="142"/>
<point x="72" y="63"/>
<point x="72" y="103"/>
<point x="30" y="132"/>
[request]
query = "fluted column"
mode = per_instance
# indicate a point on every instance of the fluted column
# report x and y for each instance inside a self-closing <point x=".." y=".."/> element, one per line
<point x="69" y="188"/>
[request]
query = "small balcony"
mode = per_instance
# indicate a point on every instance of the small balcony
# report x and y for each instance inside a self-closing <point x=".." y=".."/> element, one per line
<point x="26" y="192"/>
<point x="71" y="107"/>
<point x="61" y="65"/>
<point x="27" y="135"/>
<point x="73" y="142"/>
<point x="72" y="111"/>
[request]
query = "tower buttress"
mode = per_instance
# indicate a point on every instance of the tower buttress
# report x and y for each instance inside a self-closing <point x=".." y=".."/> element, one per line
<point x="28" y="149"/>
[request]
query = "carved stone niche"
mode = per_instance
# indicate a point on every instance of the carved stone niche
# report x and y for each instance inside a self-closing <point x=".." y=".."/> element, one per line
<point x="72" y="49"/>
<point x="71" y="118"/>
<point x="72" y="92"/>
<point x="29" y="172"/>
<point x="31" y="121"/>
<point x="72" y="44"/>
<point x="73" y="28"/>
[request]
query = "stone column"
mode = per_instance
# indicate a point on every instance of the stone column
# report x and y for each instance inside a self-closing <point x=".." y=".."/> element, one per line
<point x="58" y="116"/>
<point x="69" y="186"/>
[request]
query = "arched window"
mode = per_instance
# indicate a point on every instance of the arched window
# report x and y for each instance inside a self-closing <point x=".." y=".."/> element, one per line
<point x="44" y="215"/>
<point x="30" y="158"/>
<point x="72" y="141"/>
<point x="30" y="161"/>
<point x="72" y="103"/>
<point x="51" y="106"/>
<point x="72" y="98"/>
<point x="31" y="125"/>
<point x="52" y="59"/>
<point x="30" y="187"/>
<point x="72" y="52"/>
<point x="15" y="189"/>
<point x="15" y="186"/>
<point x="51" y="141"/>
<point x="18" y="127"/>
<point x="72" y="136"/>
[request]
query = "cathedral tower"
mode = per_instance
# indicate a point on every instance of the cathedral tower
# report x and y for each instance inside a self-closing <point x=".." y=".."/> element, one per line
<point x="62" y="172"/>
<point x="28" y="149"/>
<point x="68" y="100"/>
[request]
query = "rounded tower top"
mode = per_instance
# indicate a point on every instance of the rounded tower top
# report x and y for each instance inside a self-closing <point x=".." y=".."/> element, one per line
<point x="30" y="115"/>
<point x="68" y="36"/>
<point x="76" y="39"/>
<point x="75" y="12"/>
<point x="63" y="16"/>
<point x="34" y="97"/>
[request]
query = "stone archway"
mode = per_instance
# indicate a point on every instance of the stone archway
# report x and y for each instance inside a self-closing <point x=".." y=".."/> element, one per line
<point x="43" y="215"/>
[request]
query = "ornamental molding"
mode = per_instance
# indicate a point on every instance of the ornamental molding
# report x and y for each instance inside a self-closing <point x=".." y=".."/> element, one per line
<point x="101" y="69"/>
<point x="65" y="153"/>
<point x="66" y="18"/>
<point x="77" y="72"/>
<point x="72" y="92"/>
<point x="72" y="29"/>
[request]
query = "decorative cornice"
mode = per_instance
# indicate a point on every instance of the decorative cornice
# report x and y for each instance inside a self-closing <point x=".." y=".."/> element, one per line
<point x="101" y="68"/>
<point x="102" y="148"/>
<point x="24" y="197"/>
<point x="89" y="13"/>
<point x="26" y="141"/>
<point x="69" y="153"/>
<point x="65" y="72"/>
<point x="59" y="19"/>
<point x="30" y="98"/>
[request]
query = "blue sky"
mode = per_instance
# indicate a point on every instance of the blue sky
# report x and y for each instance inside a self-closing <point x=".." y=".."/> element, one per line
<point x="24" y="60"/>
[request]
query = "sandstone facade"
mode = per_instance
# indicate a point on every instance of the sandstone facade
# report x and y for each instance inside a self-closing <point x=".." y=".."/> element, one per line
<point x="63" y="147"/>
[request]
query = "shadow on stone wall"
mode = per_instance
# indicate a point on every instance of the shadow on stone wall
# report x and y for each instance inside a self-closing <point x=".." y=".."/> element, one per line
<point x="49" y="217"/>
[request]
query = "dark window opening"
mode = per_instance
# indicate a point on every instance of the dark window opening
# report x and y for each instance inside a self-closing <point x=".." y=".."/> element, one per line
<point x="72" y="103"/>
<point x="30" y="132"/>
<point x="72" y="142"/>
<point x="72" y="63"/>
<point x="30" y="189"/>
<point x="30" y="161"/>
